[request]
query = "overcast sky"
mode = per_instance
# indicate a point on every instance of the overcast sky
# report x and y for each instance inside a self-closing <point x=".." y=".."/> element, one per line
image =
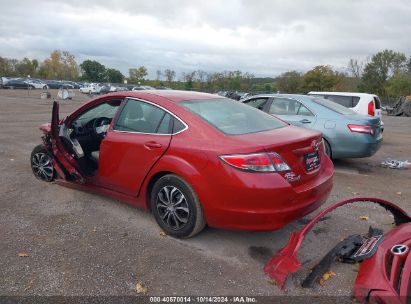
<point x="263" y="37"/>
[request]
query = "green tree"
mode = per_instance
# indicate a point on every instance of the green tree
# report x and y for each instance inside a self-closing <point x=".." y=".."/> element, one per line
<point x="8" y="67"/>
<point x="93" y="71"/>
<point x="399" y="84"/>
<point x="60" y="65"/>
<point x="289" y="82"/>
<point x="114" y="76"/>
<point x="137" y="75"/>
<point x="53" y="67"/>
<point x="382" y="66"/>
<point x="27" y="67"/>
<point x="320" y="78"/>
<point x="70" y="66"/>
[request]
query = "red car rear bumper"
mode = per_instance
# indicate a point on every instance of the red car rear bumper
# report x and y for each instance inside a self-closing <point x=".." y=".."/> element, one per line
<point x="267" y="204"/>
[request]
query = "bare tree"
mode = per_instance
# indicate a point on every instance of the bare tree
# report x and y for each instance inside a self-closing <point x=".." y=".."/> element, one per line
<point x="170" y="75"/>
<point x="355" y="68"/>
<point x="158" y="74"/>
<point x="201" y="78"/>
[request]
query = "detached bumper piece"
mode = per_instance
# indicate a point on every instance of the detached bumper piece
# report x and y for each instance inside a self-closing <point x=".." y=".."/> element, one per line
<point x="354" y="248"/>
<point x="386" y="276"/>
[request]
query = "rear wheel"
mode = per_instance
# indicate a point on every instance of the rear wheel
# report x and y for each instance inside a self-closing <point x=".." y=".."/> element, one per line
<point x="327" y="148"/>
<point x="176" y="208"/>
<point x="42" y="164"/>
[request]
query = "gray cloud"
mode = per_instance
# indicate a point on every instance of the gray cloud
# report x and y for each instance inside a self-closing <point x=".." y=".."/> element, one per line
<point x="264" y="37"/>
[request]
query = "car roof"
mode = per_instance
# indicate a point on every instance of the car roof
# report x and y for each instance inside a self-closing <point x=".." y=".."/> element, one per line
<point x="343" y="93"/>
<point x="279" y="95"/>
<point x="172" y="95"/>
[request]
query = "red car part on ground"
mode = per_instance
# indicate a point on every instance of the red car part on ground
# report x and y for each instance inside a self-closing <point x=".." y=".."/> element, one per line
<point x="378" y="276"/>
<point x="386" y="276"/>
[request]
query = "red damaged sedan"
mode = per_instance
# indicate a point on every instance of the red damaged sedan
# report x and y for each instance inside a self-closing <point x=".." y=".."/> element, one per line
<point x="191" y="158"/>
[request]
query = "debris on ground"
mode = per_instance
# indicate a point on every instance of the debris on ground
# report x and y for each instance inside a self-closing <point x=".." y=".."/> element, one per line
<point x="396" y="164"/>
<point x="23" y="254"/>
<point x="327" y="276"/>
<point x="65" y="94"/>
<point x="162" y="232"/>
<point x="140" y="288"/>
<point x="364" y="217"/>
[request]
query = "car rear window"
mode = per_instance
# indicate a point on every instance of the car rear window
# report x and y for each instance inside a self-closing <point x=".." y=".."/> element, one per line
<point x="333" y="106"/>
<point x="377" y="102"/>
<point x="355" y="101"/>
<point x="345" y="101"/>
<point x="232" y="117"/>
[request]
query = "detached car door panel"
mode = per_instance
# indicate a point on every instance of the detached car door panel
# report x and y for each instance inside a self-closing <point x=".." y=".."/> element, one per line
<point x="62" y="158"/>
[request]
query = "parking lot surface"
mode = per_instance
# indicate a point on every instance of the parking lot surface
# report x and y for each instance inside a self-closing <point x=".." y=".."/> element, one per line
<point x="59" y="241"/>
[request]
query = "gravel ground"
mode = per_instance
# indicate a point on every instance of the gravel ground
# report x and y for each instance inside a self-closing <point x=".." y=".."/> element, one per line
<point x="84" y="244"/>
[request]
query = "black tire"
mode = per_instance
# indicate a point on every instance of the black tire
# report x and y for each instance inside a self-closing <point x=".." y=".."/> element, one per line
<point x="327" y="149"/>
<point x="42" y="165"/>
<point x="171" y="218"/>
<point x="407" y="108"/>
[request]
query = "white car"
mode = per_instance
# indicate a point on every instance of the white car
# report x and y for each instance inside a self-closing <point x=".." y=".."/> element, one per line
<point x="92" y="88"/>
<point x="362" y="103"/>
<point x="37" y="84"/>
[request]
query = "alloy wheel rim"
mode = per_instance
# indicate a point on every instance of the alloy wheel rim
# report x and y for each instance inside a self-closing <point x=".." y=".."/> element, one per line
<point x="172" y="207"/>
<point x="42" y="166"/>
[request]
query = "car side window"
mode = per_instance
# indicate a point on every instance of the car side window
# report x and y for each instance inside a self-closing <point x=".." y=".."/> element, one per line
<point x="142" y="117"/>
<point x="303" y="111"/>
<point x="284" y="106"/>
<point x="257" y="103"/>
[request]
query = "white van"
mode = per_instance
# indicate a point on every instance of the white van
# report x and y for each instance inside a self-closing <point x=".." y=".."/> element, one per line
<point x="362" y="103"/>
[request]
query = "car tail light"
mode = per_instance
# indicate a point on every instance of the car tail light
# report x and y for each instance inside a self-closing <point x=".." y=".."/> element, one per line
<point x="361" y="129"/>
<point x="257" y="162"/>
<point x="371" y="108"/>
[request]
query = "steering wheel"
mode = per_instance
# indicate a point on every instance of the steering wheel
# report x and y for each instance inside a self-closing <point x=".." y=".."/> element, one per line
<point x="100" y="126"/>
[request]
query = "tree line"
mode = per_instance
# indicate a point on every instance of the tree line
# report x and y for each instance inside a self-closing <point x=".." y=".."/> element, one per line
<point x="386" y="73"/>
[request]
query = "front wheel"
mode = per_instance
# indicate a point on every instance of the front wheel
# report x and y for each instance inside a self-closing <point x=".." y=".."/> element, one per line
<point x="176" y="207"/>
<point x="42" y="164"/>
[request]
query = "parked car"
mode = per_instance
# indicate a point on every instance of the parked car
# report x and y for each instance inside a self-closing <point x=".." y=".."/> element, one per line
<point x="18" y="84"/>
<point x="189" y="158"/>
<point x="92" y="88"/>
<point x="4" y="80"/>
<point x="104" y="89"/>
<point x="363" y="103"/>
<point x="346" y="133"/>
<point x="38" y="84"/>
<point x="142" y="87"/>
<point x="57" y="84"/>
<point x="72" y="84"/>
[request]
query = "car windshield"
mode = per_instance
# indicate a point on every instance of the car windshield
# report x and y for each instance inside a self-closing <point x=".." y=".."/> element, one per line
<point x="232" y="117"/>
<point x="333" y="106"/>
